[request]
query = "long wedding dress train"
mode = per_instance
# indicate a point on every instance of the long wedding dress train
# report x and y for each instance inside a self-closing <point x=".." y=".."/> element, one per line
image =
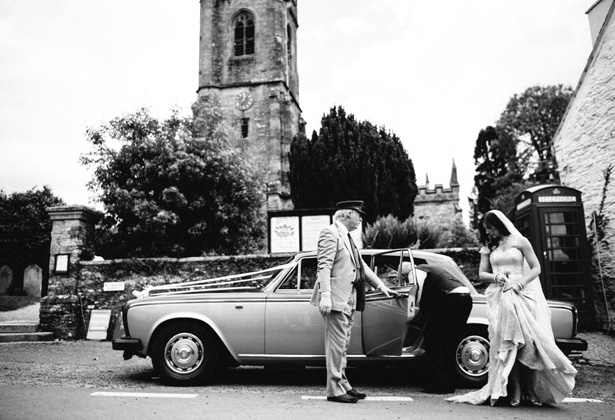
<point x="520" y="328"/>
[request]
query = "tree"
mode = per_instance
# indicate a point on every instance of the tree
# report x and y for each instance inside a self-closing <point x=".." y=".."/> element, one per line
<point x="26" y="229"/>
<point x="349" y="159"/>
<point x="505" y="199"/>
<point x="455" y="234"/>
<point x="517" y="153"/>
<point x="178" y="187"/>
<point x="497" y="166"/>
<point x="532" y="119"/>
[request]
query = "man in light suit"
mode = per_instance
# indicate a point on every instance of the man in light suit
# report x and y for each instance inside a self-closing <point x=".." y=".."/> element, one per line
<point x="339" y="291"/>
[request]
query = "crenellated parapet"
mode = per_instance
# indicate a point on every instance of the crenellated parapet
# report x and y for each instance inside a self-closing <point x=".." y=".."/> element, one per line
<point x="438" y="201"/>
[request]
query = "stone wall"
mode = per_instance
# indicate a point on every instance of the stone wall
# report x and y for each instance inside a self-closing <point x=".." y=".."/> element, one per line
<point x="437" y="203"/>
<point x="81" y="286"/>
<point x="71" y="236"/>
<point x="585" y="147"/>
<point x="68" y="314"/>
<point x="136" y="274"/>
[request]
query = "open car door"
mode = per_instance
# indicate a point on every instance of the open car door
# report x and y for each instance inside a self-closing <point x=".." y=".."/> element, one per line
<point x="385" y="320"/>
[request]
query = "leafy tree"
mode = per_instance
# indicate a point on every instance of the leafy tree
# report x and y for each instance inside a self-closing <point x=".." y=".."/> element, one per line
<point x="505" y="200"/>
<point x="26" y="229"/>
<point x="455" y="234"/>
<point x="532" y="119"/>
<point x="497" y="167"/>
<point x="177" y="187"/>
<point x="349" y="159"/>
<point x="517" y="152"/>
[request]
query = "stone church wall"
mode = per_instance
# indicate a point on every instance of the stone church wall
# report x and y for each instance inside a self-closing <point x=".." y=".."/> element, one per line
<point x="269" y="75"/>
<point x="584" y="148"/>
<point x="438" y="203"/>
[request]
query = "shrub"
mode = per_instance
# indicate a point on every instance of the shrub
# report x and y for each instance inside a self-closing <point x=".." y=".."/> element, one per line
<point x="388" y="232"/>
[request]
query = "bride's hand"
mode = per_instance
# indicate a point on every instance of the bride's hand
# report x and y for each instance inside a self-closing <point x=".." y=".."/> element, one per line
<point x="515" y="286"/>
<point x="502" y="278"/>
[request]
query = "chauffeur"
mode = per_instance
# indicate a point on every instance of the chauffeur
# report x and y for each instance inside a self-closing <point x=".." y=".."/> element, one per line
<point x="339" y="291"/>
<point x="445" y="303"/>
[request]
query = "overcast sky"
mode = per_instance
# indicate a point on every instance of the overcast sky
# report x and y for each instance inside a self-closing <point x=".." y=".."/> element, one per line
<point x="433" y="72"/>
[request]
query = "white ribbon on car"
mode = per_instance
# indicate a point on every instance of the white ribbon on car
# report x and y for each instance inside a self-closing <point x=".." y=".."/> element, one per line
<point x="254" y="278"/>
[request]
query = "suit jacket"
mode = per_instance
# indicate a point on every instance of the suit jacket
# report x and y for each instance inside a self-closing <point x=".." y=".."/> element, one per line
<point x="437" y="284"/>
<point x="336" y="270"/>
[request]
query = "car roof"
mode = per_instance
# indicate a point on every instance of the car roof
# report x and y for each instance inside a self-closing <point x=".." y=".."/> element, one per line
<point x="428" y="256"/>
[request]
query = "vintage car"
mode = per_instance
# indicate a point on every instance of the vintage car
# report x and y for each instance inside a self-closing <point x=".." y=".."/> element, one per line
<point x="265" y="318"/>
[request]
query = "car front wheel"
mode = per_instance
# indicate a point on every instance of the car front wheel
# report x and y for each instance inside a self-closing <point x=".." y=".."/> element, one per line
<point x="184" y="353"/>
<point x="472" y="357"/>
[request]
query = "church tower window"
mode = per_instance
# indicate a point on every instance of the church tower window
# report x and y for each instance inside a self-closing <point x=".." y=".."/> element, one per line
<point x="245" y="127"/>
<point x="244" y="34"/>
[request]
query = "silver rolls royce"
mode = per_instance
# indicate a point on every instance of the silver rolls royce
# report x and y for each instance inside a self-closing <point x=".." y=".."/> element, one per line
<point x="265" y="318"/>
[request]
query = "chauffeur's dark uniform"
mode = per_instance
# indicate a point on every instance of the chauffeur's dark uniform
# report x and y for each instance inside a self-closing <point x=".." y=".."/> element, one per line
<point x="446" y="304"/>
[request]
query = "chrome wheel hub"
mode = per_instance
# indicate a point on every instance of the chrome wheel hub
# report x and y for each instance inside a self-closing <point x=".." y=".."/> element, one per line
<point x="184" y="353"/>
<point x="473" y="355"/>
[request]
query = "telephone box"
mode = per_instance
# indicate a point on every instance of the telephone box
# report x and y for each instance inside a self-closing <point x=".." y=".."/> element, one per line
<point x="552" y="218"/>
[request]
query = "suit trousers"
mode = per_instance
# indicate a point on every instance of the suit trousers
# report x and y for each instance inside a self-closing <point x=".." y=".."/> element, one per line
<point x="338" y="326"/>
<point x="446" y="325"/>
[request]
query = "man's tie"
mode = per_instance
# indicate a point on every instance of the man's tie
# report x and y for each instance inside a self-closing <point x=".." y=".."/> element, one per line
<point x="358" y="283"/>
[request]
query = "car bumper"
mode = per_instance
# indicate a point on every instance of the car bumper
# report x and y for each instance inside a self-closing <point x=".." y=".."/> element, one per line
<point x="130" y="346"/>
<point x="572" y="347"/>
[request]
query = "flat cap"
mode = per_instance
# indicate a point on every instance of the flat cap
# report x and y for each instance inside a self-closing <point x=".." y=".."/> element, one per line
<point x="356" y="205"/>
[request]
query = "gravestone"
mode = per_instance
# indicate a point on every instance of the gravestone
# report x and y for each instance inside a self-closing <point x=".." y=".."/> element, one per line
<point x="33" y="280"/>
<point x="6" y="277"/>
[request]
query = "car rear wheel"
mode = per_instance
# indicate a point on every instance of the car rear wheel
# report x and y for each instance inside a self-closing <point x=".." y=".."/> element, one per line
<point x="472" y="357"/>
<point x="184" y="353"/>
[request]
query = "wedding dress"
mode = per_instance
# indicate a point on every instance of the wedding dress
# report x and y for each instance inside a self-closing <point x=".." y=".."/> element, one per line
<point x="520" y="328"/>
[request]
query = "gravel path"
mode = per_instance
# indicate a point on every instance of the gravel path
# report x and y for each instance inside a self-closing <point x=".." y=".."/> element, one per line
<point x="36" y="363"/>
<point x="29" y="313"/>
<point x="601" y="347"/>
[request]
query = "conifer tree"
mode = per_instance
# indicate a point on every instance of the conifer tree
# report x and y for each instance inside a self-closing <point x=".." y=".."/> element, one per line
<point x="350" y="159"/>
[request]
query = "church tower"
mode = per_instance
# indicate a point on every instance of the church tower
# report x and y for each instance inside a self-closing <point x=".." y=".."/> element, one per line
<point x="438" y="202"/>
<point x="248" y="59"/>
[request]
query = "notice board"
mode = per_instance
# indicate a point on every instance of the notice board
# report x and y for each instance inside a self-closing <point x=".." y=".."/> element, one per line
<point x="99" y="323"/>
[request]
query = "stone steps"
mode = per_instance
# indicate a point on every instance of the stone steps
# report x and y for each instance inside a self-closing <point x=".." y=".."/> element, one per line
<point x="14" y="331"/>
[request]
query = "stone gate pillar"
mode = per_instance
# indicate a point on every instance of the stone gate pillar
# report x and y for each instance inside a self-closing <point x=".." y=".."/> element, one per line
<point x="71" y="234"/>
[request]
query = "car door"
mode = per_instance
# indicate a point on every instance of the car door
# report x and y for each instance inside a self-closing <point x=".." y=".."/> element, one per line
<point x="385" y="320"/>
<point x="292" y="325"/>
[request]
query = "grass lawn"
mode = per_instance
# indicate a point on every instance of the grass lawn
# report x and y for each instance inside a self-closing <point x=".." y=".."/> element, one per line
<point x="10" y="303"/>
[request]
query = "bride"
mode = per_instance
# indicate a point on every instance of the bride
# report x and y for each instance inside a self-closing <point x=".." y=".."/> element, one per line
<point x="524" y="361"/>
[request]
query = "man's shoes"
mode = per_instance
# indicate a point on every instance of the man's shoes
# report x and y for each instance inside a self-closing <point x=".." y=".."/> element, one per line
<point x="358" y="395"/>
<point x="344" y="398"/>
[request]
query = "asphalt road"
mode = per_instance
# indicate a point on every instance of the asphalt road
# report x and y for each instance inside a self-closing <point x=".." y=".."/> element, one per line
<point x="87" y="379"/>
